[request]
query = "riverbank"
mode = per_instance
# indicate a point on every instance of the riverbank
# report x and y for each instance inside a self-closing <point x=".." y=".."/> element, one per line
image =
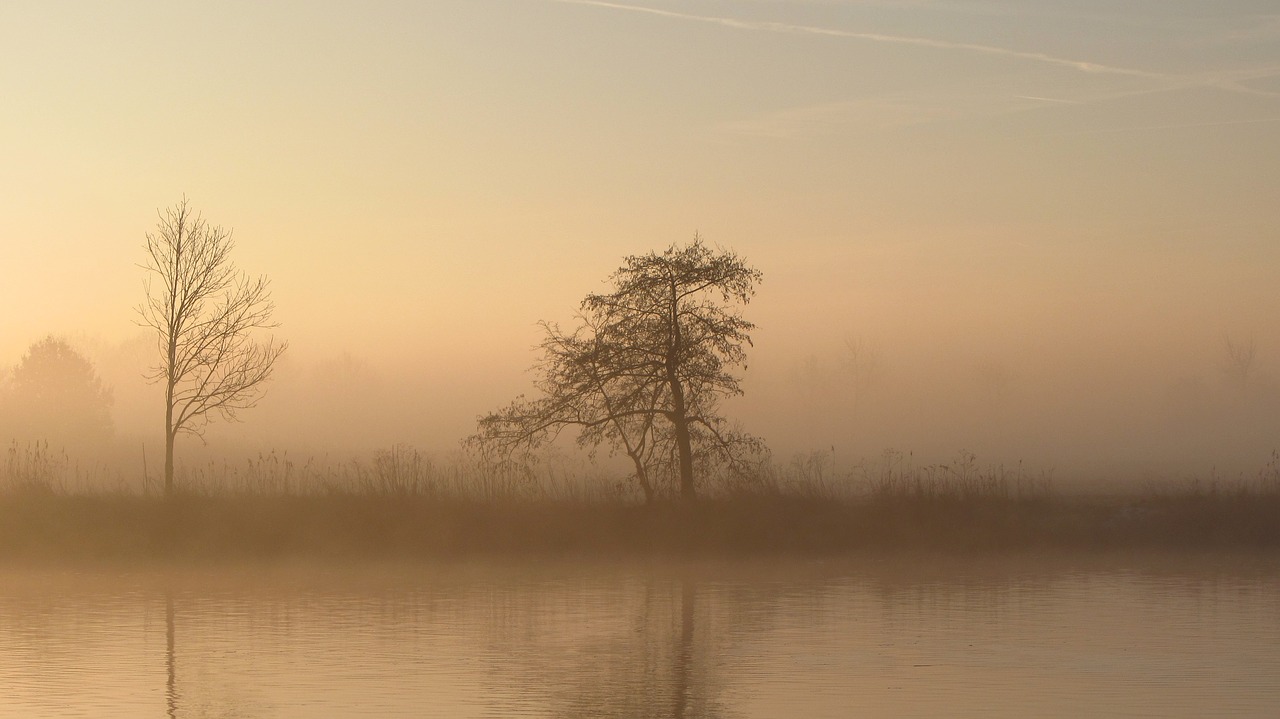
<point x="88" y="527"/>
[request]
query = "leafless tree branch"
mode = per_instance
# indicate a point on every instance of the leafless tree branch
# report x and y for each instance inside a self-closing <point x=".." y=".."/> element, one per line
<point x="204" y="312"/>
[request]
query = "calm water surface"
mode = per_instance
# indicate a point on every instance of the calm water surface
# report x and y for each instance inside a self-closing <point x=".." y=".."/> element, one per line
<point x="1148" y="636"/>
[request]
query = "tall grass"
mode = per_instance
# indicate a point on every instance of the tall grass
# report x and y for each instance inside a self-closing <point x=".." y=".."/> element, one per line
<point x="397" y="471"/>
<point x="401" y="500"/>
<point x="38" y="468"/>
<point x="405" y="471"/>
<point x="897" y="478"/>
<point x="32" y="468"/>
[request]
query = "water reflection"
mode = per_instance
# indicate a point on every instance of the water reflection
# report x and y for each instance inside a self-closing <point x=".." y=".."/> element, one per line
<point x="612" y="645"/>
<point x="171" y="695"/>
<point x="654" y="657"/>
<point x="684" y="658"/>
<point x="900" y="638"/>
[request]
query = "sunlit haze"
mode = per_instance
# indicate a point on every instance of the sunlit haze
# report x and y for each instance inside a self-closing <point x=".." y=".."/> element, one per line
<point x="1031" y="230"/>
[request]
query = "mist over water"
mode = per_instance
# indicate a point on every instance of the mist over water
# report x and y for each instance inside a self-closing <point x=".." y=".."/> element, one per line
<point x="1008" y="268"/>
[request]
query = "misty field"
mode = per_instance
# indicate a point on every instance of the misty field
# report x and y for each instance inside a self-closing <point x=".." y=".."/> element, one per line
<point x="403" y="504"/>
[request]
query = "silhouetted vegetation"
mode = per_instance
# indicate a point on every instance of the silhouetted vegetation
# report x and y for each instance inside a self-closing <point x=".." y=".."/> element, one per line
<point x="404" y="504"/>
<point x="644" y="372"/>
<point x="203" y="311"/>
<point x="54" y="394"/>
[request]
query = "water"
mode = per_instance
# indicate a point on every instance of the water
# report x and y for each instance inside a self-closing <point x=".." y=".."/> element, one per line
<point x="1150" y="636"/>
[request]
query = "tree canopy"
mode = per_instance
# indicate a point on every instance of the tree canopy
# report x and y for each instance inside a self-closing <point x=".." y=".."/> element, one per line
<point x="54" y="394"/>
<point x="645" y="369"/>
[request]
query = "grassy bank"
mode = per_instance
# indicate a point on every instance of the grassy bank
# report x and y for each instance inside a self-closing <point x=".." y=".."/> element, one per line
<point x="34" y="527"/>
<point x="402" y="504"/>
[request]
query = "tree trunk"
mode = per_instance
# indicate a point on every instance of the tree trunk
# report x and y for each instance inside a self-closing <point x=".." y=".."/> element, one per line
<point x="679" y="414"/>
<point x="168" y="463"/>
<point x="684" y="445"/>
<point x="169" y="431"/>
<point x="168" y="442"/>
<point x="642" y="477"/>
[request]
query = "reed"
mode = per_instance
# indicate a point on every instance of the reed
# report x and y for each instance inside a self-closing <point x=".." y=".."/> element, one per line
<point x="405" y="503"/>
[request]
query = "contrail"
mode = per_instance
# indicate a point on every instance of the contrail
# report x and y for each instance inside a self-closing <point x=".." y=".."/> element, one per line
<point x="779" y="27"/>
<point x="1177" y="126"/>
<point x="1046" y="99"/>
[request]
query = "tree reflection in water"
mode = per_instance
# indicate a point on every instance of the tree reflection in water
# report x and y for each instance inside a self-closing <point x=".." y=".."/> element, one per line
<point x="912" y="638"/>
<point x="171" y="691"/>
<point x="644" y="646"/>
<point x="684" y="657"/>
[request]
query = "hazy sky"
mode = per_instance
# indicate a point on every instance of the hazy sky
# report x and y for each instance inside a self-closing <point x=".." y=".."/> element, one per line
<point x="1039" y="191"/>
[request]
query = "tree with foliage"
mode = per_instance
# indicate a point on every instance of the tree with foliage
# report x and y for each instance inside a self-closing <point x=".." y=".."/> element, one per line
<point x="54" y="394"/>
<point x="204" y="312"/>
<point x="645" y="370"/>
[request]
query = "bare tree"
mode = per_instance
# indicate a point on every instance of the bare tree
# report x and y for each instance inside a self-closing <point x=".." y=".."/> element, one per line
<point x="1238" y="365"/>
<point x="204" y="311"/>
<point x="645" y="369"/>
<point x="862" y="364"/>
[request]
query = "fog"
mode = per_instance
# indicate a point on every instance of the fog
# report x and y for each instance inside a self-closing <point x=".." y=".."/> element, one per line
<point x="1113" y="370"/>
<point x="1036" y="235"/>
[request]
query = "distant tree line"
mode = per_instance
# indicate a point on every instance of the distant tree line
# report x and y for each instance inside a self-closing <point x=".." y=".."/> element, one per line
<point x="54" y="394"/>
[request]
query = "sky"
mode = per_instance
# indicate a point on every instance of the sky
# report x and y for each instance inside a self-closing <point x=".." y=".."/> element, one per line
<point x="1041" y="221"/>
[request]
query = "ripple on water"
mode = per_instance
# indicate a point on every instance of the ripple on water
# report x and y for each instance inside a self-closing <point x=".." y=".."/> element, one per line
<point x="908" y="637"/>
